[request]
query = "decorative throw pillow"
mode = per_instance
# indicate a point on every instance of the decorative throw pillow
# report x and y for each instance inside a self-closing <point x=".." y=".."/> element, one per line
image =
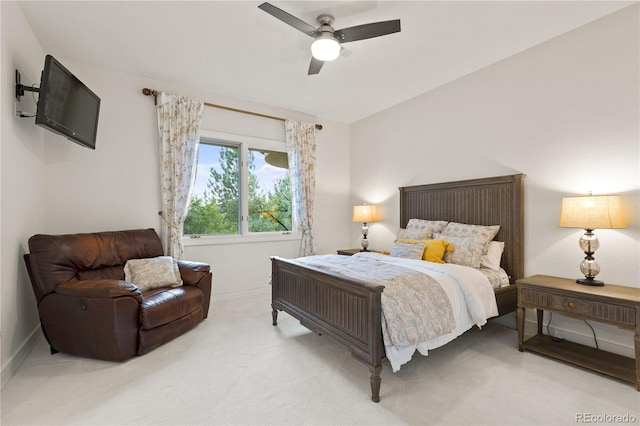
<point x="407" y="250"/>
<point x="466" y="251"/>
<point x="412" y="234"/>
<point x="482" y="232"/>
<point x="493" y="256"/>
<point x="434" y="250"/>
<point x="429" y="226"/>
<point x="155" y="272"/>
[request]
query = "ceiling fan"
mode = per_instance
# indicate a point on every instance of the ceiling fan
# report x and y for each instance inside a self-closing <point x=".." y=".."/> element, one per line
<point x="326" y="46"/>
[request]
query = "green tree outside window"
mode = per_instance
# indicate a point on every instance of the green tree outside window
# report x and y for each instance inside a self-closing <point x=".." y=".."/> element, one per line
<point x="216" y="209"/>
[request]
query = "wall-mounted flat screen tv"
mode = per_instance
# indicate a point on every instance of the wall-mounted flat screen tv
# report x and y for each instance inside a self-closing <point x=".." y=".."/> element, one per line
<point x="66" y="106"/>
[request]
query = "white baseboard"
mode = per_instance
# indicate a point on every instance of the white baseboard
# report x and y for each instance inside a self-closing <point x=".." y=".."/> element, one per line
<point x="610" y="338"/>
<point x="265" y="290"/>
<point x="16" y="361"/>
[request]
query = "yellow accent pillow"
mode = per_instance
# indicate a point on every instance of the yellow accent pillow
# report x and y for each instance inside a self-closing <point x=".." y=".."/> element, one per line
<point x="434" y="250"/>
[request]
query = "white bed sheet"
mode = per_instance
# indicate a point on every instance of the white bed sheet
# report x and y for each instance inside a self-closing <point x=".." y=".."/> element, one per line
<point x="471" y="295"/>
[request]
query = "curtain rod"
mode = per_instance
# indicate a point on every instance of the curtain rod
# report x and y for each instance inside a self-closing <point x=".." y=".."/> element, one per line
<point x="154" y="93"/>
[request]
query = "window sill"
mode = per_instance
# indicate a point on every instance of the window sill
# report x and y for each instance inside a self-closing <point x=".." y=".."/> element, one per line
<point x="210" y="240"/>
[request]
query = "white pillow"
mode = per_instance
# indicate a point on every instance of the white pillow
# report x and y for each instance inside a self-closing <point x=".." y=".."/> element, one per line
<point x="156" y="272"/>
<point x="492" y="259"/>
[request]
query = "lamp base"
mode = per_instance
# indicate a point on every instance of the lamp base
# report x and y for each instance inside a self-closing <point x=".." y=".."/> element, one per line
<point x="590" y="281"/>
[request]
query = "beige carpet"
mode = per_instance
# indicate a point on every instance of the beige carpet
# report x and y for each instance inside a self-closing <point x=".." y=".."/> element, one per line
<point x="236" y="368"/>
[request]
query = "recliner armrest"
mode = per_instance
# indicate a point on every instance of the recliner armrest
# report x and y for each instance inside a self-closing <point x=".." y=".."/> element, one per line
<point x="192" y="272"/>
<point x="103" y="289"/>
<point x="198" y="275"/>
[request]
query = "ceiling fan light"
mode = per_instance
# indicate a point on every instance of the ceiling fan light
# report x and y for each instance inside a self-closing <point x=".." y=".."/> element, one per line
<point x="325" y="48"/>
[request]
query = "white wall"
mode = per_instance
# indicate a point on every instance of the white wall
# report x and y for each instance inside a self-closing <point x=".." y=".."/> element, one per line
<point x="564" y="113"/>
<point x="23" y="184"/>
<point x="51" y="185"/>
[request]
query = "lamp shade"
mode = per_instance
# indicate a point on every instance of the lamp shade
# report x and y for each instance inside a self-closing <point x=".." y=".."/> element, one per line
<point x="591" y="212"/>
<point x="365" y="213"/>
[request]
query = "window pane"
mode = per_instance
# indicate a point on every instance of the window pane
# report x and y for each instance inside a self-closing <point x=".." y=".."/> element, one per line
<point x="214" y="207"/>
<point x="269" y="191"/>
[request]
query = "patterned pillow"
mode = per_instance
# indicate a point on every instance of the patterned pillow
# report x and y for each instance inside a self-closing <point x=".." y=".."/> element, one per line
<point x="466" y="251"/>
<point x="484" y="233"/>
<point x="146" y="274"/>
<point x="407" y="250"/>
<point x="497" y="277"/>
<point x="412" y="234"/>
<point x="430" y="226"/>
<point x="434" y="250"/>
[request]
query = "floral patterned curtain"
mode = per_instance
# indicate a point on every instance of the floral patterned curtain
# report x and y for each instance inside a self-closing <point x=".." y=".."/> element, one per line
<point x="179" y="128"/>
<point x="301" y="150"/>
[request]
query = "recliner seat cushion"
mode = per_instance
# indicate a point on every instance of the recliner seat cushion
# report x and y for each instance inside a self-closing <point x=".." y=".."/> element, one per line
<point x="163" y="305"/>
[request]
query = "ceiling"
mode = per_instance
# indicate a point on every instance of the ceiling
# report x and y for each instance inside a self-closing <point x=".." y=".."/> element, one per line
<point x="235" y="49"/>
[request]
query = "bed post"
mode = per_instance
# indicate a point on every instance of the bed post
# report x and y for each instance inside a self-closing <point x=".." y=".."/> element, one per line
<point x="375" y="383"/>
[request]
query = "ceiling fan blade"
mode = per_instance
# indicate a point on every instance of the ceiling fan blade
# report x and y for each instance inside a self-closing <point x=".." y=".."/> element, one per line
<point x="362" y="32"/>
<point x="315" y="66"/>
<point x="288" y="19"/>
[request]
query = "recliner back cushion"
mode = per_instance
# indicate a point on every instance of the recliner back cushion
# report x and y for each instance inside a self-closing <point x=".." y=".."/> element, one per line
<point x="56" y="259"/>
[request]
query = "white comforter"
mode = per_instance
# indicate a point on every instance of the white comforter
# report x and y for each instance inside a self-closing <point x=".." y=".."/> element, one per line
<point x="470" y="293"/>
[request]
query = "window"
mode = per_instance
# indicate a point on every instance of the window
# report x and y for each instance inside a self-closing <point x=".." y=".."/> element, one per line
<point x="241" y="187"/>
<point x="269" y="191"/>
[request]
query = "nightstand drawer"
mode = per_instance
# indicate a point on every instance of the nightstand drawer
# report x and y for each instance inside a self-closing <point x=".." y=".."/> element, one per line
<point x="607" y="312"/>
<point x="572" y="305"/>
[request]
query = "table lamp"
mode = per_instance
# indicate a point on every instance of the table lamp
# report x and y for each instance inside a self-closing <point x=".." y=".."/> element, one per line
<point x="591" y="212"/>
<point x="365" y="214"/>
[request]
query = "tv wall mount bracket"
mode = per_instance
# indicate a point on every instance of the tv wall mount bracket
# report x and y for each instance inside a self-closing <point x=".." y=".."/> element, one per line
<point x="21" y="88"/>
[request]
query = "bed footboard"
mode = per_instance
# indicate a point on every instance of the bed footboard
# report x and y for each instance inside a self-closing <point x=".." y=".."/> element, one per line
<point x="346" y="310"/>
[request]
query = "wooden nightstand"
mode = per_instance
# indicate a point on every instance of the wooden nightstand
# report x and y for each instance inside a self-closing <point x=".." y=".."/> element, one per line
<point x="351" y="252"/>
<point x="611" y="304"/>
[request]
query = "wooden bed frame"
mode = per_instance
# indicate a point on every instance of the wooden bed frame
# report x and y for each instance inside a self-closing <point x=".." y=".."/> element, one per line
<point x="349" y="310"/>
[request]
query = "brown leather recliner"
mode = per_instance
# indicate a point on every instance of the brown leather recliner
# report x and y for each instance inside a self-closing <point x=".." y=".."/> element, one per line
<point x="87" y="309"/>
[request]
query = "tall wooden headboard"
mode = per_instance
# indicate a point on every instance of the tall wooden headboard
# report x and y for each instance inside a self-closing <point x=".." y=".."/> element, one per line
<point x="486" y="201"/>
